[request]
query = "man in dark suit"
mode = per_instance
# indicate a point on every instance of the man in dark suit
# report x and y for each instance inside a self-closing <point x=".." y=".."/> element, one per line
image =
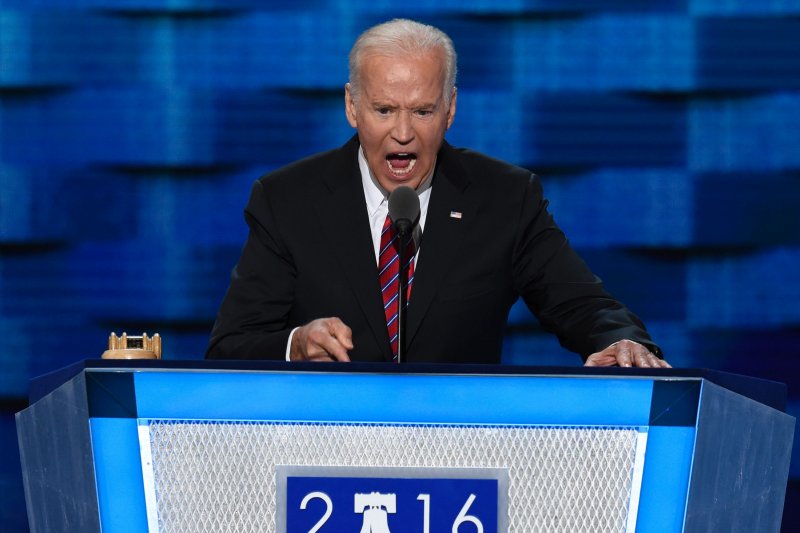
<point x="307" y="285"/>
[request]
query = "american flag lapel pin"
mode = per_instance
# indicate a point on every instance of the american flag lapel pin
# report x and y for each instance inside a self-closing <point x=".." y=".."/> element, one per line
<point x="455" y="214"/>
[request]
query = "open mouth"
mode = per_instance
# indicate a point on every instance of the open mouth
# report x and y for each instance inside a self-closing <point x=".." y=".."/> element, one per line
<point x="401" y="163"/>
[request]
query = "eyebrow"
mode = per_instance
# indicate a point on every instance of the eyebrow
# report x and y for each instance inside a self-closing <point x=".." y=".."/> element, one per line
<point x="426" y="105"/>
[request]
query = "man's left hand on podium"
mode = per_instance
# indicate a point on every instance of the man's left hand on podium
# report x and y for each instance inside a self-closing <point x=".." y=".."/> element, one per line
<point x="626" y="353"/>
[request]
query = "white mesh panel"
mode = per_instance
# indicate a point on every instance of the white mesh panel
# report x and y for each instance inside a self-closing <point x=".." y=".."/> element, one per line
<point x="220" y="476"/>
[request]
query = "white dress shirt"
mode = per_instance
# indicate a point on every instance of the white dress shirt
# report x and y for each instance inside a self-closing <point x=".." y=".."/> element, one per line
<point x="377" y="199"/>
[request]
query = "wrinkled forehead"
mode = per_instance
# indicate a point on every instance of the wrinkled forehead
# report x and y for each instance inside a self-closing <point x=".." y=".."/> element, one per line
<point x="433" y="60"/>
<point x="417" y="72"/>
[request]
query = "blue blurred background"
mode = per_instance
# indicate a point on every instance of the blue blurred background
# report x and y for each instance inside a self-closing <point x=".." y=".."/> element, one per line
<point x="667" y="134"/>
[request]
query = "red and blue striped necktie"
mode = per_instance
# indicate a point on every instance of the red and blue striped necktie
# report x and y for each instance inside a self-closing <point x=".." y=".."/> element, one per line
<point x="388" y="272"/>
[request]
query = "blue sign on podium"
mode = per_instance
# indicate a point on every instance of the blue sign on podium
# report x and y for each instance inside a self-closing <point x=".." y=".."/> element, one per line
<point x="384" y="500"/>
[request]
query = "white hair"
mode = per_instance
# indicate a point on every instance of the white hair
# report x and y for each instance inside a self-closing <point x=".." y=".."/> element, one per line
<point x="399" y="37"/>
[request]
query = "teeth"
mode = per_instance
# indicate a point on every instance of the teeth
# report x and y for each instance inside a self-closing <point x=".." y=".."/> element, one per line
<point x="402" y="171"/>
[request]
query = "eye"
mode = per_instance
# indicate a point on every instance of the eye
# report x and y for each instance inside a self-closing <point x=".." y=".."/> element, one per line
<point x="383" y="110"/>
<point x="424" y="112"/>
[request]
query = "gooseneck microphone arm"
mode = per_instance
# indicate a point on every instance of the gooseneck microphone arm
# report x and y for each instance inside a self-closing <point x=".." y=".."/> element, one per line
<point x="402" y="294"/>
<point x="404" y="212"/>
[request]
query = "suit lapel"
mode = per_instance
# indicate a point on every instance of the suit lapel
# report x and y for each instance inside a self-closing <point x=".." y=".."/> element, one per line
<point x="450" y="213"/>
<point x="343" y="217"/>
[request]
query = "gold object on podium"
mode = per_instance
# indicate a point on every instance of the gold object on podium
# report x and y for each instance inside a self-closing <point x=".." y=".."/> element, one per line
<point x="133" y="347"/>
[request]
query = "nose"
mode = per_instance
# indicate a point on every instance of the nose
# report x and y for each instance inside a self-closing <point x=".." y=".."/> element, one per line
<point x="403" y="130"/>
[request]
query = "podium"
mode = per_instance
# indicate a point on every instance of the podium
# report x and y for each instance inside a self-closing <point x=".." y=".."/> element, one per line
<point x="163" y="446"/>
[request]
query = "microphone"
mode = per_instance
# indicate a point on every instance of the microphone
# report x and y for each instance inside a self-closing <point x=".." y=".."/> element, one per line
<point x="404" y="209"/>
<point x="404" y="212"/>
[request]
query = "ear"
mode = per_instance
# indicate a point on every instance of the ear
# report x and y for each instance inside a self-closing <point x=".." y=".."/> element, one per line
<point x="451" y="112"/>
<point x="350" y="106"/>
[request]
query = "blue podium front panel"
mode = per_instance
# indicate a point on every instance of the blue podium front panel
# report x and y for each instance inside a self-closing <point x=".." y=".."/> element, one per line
<point x="288" y="450"/>
<point x="573" y="449"/>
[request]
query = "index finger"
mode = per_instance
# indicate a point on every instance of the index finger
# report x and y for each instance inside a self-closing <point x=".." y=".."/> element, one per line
<point x="338" y="340"/>
<point x="342" y="332"/>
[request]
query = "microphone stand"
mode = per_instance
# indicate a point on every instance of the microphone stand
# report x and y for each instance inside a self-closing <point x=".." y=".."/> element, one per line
<point x="404" y="212"/>
<point x="404" y="232"/>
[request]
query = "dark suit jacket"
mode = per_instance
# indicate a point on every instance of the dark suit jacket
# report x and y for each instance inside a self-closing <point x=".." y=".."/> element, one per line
<point x="310" y="255"/>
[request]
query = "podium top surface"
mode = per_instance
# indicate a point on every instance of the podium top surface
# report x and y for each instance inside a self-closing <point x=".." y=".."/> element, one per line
<point x="770" y="393"/>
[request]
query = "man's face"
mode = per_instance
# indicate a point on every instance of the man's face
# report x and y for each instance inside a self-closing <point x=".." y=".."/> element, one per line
<point x="401" y="116"/>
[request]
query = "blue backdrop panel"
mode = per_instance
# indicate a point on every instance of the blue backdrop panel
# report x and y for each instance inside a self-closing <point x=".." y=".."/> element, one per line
<point x="599" y="130"/>
<point x="745" y="290"/>
<point x="627" y="271"/>
<point x="12" y="514"/>
<point x="743" y="132"/>
<point x="744" y="7"/>
<point x="641" y="51"/>
<point x="743" y="53"/>
<point x="489" y="124"/>
<point x="726" y="214"/>
<point x="661" y="200"/>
